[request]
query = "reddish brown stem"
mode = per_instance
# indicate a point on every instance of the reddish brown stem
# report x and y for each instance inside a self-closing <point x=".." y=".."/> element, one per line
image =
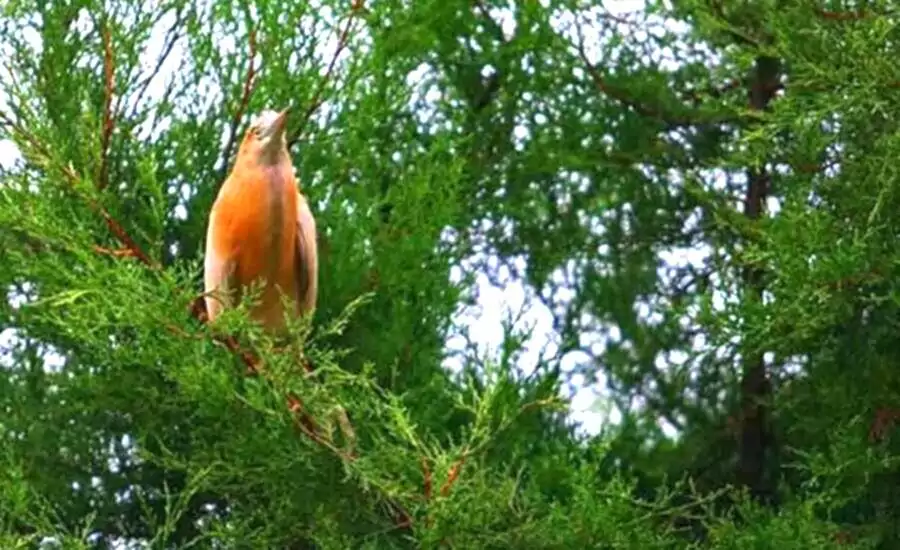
<point x="118" y="253"/>
<point x="885" y="418"/>
<point x="109" y="70"/>
<point x="452" y="476"/>
<point x="841" y="15"/>
<point x="119" y="232"/>
<point x="426" y="471"/>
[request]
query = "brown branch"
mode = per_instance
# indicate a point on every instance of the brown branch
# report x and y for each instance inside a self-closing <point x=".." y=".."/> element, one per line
<point x="495" y="28"/>
<point x="119" y="232"/>
<point x="302" y="419"/>
<point x="318" y="97"/>
<point x="116" y="253"/>
<point x="613" y="92"/>
<point x="453" y="475"/>
<point x="402" y="519"/>
<point x="427" y="486"/>
<point x="426" y="473"/>
<point x="621" y="19"/>
<point x="305" y="423"/>
<point x="841" y="15"/>
<point x="242" y="106"/>
<point x="109" y="69"/>
<point x="885" y="419"/>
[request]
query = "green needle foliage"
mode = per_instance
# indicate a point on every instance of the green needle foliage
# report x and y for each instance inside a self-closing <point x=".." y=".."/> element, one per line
<point x="700" y="196"/>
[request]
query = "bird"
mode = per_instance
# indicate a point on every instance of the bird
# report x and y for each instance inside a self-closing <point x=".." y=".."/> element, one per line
<point x="261" y="230"/>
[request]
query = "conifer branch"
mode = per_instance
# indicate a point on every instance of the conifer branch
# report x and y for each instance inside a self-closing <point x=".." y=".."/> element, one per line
<point x="74" y="180"/>
<point x="670" y="119"/>
<point x="130" y="248"/>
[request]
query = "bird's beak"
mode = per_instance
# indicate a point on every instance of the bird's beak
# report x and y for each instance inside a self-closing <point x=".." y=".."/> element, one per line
<point x="280" y="120"/>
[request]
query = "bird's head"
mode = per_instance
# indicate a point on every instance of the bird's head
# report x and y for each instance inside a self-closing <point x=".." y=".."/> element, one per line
<point x="265" y="139"/>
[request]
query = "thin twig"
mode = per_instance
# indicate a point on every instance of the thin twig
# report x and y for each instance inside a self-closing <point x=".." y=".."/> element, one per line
<point x="318" y="97"/>
<point x="172" y="37"/>
<point x="242" y="106"/>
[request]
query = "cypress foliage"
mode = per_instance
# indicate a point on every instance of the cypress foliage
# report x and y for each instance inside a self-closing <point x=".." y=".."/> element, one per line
<point x="699" y="194"/>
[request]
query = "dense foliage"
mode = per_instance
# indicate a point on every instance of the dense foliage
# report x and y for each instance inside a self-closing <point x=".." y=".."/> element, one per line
<point x="700" y="193"/>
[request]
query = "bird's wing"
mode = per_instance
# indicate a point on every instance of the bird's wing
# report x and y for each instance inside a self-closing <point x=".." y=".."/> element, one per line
<point x="218" y="269"/>
<point x="307" y="257"/>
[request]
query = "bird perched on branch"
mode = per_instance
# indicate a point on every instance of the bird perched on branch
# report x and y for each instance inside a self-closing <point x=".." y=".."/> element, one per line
<point x="262" y="230"/>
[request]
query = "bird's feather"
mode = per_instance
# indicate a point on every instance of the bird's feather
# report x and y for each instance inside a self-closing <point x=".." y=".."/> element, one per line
<point x="307" y="256"/>
<point x="218" y="272"/>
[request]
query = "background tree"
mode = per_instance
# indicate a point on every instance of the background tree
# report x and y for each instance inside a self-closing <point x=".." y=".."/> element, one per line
<point x="699" y="195"/>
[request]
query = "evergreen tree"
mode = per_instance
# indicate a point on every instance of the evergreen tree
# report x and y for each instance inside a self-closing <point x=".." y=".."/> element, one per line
<point x="700" y="194"/>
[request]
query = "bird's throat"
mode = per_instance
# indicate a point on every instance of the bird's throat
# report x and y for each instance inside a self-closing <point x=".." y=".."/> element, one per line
<point x="272" y="151"/>
<point x="276" y="181"/>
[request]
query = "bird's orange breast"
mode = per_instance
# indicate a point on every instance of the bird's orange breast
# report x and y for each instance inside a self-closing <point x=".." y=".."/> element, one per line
<point x="256" y="227"/>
